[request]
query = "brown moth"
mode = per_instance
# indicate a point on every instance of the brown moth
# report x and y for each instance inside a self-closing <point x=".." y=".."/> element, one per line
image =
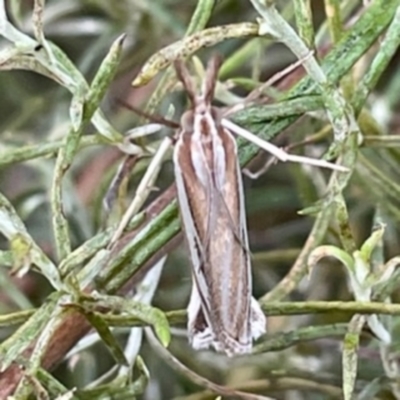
<point x="222" y="312"/>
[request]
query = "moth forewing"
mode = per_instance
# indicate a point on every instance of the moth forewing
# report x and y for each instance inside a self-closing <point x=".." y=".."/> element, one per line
<point x="231" y="252"/>
<point x="188" y="185"/>
<point x="221" y="311"/>
<point x="255" y="320"/>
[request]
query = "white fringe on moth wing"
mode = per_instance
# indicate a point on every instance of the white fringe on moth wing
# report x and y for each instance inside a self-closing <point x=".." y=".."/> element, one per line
<point x="206" y="339"/>
<point x="200" y="340"/>
<point x="258" y="320"/>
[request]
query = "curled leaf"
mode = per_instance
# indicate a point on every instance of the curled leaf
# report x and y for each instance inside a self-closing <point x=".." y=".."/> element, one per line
<point x="370" y="244"/>
<point x="330" y="251"/>
<point x="189" y="45"/>
<point x="388" y="270"/>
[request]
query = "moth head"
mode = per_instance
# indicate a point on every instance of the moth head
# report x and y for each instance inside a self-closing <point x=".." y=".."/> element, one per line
<point x="187" y="121"/>
<point x="204" y="98"/>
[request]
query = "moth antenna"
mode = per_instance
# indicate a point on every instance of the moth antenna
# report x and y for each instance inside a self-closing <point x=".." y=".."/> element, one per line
<point x="184" y="76"/>
<point x="151" y="117"/>
<point x="210" y="80"/>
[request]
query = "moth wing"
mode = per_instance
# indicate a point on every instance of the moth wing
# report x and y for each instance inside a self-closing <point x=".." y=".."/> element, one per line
<point x="199" y="327"/>
<point x="228" y="267"/>
<point x="258" y="320"/>
<point x="245" y="319"/>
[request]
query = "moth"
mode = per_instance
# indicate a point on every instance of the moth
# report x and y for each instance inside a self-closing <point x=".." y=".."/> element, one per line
<point x="222" y="312"/>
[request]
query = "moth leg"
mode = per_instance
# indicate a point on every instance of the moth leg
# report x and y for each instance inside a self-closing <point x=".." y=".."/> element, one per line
<point x="260" y="171"/>
<point x="279" y="153"/>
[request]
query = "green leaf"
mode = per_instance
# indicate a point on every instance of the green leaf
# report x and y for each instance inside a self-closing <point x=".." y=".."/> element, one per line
<point x="119" y="390"/>
<point x="369" y="245"/>
<point x="144" y="375"/>
<point x="76" y="109"/>
<point x="360" y="277"/>
<point x="153" y="316"/>
<point x="372" y="389"/>
<point x="23" y="247"/>
<point x="379" y="329"/>
<point x="97" y="321"/>
<point x="55" y="389"/>
<point x="331" y="251"/>
<point x="104" y="76"/>
<point x="12" y="347"/>
<point x="349" y="356"/>
<point x="143" y="312"/>
<point x="313" y="209"/>
<point x="121" y="387"/>
<point x="388" y="270"/>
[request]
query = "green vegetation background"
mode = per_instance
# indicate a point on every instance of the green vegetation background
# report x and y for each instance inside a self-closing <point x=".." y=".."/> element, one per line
<point x="332" y="326"/>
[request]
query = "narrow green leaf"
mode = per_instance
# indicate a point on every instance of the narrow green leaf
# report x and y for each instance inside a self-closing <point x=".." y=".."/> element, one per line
<point x="388" y="270"/>
<point x="190" y="44"/>
<point x="104" y="76"/>
<point x="161" y="328"/>
<point x="37" y="20"/>
<point x="379" y="329"/>
<point x="349" y="356"/>
<point x="144" y="375"/>
<point x="371" y="390"/>
<point x="331" y="251"/>
<point x="121" y="391"/>
<point x="55" y="389"/>
<point x="15" y="318"/>
<point x="287" y="108"/>
<point x="106" y="129"/>
<point x="143" y="312"/>
<point x="362" y="270"/>
<point x="76" y="110"/>
<point x="122" y="387"/>
<point x="21" y="249"/>
<point x="369" y="245"/>
<point x="153" y="316"/>
<point x="12" y="347"/>
<point x="10" y="289"/>
<point x="313" y="209"/>
<point x="25" y="251"/>
<point x="96" y="320"/>
<point x="85" y="251"/>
